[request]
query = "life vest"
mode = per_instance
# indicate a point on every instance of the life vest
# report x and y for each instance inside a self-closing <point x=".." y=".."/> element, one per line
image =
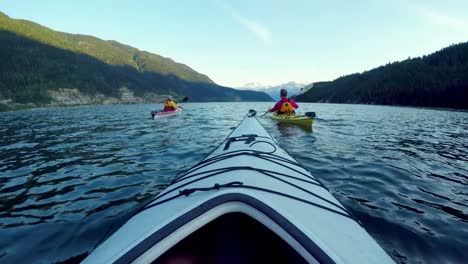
<point x="169" y="105"/>
<point x="286" y="108"/>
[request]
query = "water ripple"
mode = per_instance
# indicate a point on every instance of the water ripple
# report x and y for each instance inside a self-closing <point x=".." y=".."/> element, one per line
<point x="69" y="176"/>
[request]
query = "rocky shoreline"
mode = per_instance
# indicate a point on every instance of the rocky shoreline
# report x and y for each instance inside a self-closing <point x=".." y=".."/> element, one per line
<point x="64" y="97"/>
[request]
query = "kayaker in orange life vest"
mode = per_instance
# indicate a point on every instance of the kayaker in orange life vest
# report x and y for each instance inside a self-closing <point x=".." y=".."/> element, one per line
<point x="169" y="105"/>
<point x="285" y="105"/>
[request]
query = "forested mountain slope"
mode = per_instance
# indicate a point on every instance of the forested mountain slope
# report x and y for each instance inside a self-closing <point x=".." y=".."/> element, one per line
<point x="436" y="80"/>
<point x="40" y="66"/>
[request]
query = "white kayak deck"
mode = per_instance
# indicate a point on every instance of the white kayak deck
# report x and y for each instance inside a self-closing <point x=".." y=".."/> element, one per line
<point x="250" y="174"/>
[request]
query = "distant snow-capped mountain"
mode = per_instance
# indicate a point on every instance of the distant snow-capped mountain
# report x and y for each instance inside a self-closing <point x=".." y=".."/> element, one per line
<point x="274" y="90"/>
<point x="255" y="86"/>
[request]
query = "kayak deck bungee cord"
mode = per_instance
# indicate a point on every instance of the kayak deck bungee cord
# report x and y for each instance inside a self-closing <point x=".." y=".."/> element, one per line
<point x="248" y="201"/>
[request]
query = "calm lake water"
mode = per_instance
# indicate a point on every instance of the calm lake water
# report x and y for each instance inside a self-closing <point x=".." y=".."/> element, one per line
<point x="68" y="176"/>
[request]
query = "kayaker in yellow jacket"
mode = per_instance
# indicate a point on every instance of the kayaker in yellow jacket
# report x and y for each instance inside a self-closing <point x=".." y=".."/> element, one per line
<point x="169" y="105"/>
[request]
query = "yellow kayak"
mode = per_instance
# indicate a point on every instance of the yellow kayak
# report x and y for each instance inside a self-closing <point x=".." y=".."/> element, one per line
<point x="303" y="120"/>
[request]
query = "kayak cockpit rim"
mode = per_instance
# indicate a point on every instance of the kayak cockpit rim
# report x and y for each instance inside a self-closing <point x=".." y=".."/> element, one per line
<point x="163" y="239"/>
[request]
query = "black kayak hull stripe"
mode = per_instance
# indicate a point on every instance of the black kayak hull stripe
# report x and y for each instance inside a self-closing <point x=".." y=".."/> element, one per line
<point x="170" y="228"/>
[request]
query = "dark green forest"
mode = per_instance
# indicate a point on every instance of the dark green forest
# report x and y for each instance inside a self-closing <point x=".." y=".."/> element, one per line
<point x="436" y="80"/>
<point x="35" y="59"/>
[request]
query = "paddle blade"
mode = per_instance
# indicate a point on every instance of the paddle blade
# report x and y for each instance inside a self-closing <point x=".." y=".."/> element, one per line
<point x="310" y="114"/>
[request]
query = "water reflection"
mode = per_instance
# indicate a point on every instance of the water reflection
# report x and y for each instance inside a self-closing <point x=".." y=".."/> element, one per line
<point x="70" y="175"/>
<point x="289" y="130"/>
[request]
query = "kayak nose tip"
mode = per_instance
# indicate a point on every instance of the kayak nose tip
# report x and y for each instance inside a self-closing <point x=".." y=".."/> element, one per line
<point x="252" y="113"/>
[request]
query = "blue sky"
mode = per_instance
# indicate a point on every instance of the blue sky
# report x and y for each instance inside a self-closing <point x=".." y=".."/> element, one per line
<point x="270" y="42"/>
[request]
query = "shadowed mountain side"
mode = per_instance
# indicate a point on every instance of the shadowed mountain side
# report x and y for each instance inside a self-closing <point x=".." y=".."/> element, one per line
<point x="109" y="52"/>
<point x="436" y="80"/>
<point x="30" y="70"/>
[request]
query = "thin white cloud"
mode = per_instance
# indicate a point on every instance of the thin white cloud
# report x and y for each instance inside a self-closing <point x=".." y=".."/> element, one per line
<point x="260" y="31"/>
<point x="451" y="22"/>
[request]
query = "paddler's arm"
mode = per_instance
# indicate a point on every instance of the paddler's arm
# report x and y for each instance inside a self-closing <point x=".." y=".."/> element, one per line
<point x="275" y="108"/>
<point x="293" y="103"/>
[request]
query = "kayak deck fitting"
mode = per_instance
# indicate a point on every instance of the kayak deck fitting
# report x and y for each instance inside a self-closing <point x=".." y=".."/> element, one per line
<point x="248" y="201"/>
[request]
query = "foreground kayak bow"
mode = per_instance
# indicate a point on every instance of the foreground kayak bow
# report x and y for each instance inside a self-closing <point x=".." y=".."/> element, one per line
<point x="248" y="201"/>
